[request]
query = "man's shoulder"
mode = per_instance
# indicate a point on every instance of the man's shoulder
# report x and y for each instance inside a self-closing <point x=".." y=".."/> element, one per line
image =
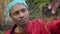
<point x="37" y="21"/>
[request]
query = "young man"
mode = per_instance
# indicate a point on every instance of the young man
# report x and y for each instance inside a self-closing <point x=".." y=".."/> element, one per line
<point x="18" y="11"/>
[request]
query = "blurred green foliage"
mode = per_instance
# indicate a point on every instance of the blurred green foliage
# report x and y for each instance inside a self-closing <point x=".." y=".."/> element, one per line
<point x="36" y="7"/>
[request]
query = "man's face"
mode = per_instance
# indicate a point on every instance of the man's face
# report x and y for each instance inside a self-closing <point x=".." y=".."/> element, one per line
<point x="20" y="14"/>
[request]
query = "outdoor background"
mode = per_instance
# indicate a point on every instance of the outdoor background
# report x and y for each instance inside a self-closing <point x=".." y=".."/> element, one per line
<point x="37" y="8"/>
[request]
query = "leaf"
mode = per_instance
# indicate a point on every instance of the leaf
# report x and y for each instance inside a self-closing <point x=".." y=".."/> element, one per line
<point x="36" y="1"/>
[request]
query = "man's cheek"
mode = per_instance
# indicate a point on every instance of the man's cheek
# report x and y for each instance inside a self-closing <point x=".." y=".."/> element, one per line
<point x="15" y="19"/>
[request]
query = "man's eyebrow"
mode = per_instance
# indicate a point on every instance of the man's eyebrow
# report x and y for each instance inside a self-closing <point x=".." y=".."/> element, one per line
<point x="24" y="8"/>
<point x="20" y="9"/>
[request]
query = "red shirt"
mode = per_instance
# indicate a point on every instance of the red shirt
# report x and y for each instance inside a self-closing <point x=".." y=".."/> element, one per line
<point x="34" y="27"/>
<point x="54" y="26"/>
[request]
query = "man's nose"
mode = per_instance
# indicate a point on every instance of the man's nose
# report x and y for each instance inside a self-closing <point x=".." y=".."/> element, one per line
<point x="21" y="15"/>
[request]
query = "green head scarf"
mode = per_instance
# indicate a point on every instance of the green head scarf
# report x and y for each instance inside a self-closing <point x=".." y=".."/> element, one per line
<point x="14" y="2"/>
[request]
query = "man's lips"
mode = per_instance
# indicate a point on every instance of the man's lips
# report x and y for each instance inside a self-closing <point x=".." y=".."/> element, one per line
<point x="22" y="20"/>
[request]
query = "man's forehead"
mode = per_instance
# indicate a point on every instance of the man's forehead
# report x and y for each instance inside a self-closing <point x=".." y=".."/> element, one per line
<point x="19" y="6"/>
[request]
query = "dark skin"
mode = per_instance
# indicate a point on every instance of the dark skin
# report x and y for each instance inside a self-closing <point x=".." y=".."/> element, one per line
<point x="20" y="16"/>
<point x="54" y="4"/>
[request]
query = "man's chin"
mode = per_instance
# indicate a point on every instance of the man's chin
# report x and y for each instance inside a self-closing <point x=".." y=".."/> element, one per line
<point x="22" y="23"/>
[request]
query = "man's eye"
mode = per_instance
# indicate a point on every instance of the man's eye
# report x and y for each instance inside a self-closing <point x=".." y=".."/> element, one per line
<point x="23" y="10"/>
<point x="16" y="13"/>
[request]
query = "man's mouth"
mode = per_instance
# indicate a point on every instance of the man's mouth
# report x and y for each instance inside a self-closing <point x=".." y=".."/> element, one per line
<point x="22" y="22"/>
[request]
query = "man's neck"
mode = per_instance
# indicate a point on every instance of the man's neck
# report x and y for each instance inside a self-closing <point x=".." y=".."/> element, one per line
<point x="22" y="26"/>
<point x="19" y="30"/>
